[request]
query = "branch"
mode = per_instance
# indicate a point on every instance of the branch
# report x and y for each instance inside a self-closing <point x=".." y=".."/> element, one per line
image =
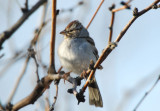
<point x="146" y="94"/>
<point x="35" y="60"/>
<point x="55" y="99"/>
<point x="136" y="15"/>
<point x="111" y="24"/>
<point x="52" y="42"/>
<point x="35" y="94"/>
<point x="125" y="6"/>
<point x="111" y="46"/>
<point x="40" y="88"/>
<point x="113" y="10"/>
<point x="7" y="34"/>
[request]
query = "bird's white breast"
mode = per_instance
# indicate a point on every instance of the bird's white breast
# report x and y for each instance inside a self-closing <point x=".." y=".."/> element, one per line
<point x="75" y="54"/>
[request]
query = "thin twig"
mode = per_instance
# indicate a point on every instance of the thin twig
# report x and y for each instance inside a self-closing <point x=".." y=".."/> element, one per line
<point x="36" y="37"/>
<point x="119" y="9"/>
<point x="35" y="60"/>
<point x="138" y="14"/>
<point x="52" y="41"/>
<point x="55" y="98"/>
<point x="7" y="34"/>
<point x="26" y="4"/>
<point x="125" y="6"/>
<point x="111" y="24"/>
<point x="111" y="28"/>
<point x="95" y="14"/>
<point x="146" y="94"/>
<point x="18" y="80"/>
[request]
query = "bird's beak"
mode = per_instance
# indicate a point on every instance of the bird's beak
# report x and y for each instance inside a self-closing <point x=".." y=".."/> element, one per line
<point x="63" y="32"/>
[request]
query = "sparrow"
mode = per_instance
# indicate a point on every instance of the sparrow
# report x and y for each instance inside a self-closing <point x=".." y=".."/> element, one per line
<point x="75" y="53"/>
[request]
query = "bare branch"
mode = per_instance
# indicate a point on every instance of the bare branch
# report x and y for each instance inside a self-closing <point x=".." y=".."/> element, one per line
<point x="125" y="6"/>
<point x="111" y="46"/>
<point x="41" y="86"/>
<point x="35" y="60"/>
<point x="112" y="22"/>
<point x="7" y="34"/>
<point x="35" y="94"/>
<point x="146" y="94"/>
<point x="55" y="99"/>
<point x="138" y="14"/>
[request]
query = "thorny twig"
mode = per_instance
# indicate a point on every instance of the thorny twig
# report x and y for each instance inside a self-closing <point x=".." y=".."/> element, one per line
<point x="146" y="94"/>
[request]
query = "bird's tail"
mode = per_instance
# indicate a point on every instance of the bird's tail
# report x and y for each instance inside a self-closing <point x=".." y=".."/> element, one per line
<point x="94" y="94"/>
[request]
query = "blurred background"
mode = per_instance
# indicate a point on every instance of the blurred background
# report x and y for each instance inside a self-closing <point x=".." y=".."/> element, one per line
<point x="129" y="71"/>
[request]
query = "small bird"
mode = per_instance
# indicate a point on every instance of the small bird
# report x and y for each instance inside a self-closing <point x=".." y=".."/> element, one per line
<point x="75" y="53"/>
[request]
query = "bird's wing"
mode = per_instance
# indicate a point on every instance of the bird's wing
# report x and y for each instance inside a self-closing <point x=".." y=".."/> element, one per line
<point x="95" y="51"/>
